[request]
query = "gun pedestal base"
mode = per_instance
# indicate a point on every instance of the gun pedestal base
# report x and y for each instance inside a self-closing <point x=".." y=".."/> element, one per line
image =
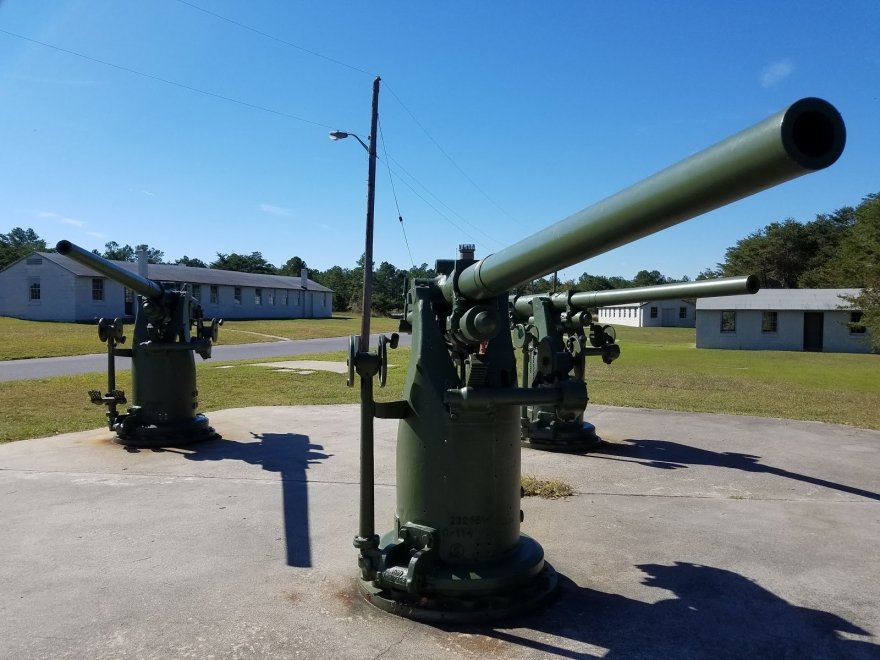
<point x="165" y="435"/>
<point x="472" y="593"/>
<point x="574" y="440"/>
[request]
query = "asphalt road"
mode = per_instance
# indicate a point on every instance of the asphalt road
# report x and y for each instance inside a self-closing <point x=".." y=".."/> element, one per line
<point x="83" y="364"/>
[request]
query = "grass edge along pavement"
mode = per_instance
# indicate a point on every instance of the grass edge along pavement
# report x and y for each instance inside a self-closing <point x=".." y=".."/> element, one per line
<point x="20" y="339"/>
<point x="656" y="371"/>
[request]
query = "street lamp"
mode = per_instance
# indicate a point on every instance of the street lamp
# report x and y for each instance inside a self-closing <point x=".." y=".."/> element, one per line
<point x="364" y="342"/>
<point x="341" y="135"/>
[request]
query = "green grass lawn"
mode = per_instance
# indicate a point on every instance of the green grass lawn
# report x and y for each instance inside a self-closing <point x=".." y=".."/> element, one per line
<point x="661" y="368"/>
<point x="38" y="339"/>
<point x="658" y="368"/>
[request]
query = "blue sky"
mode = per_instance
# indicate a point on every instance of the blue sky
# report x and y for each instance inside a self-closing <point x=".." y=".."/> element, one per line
<point x="498" y="119"/>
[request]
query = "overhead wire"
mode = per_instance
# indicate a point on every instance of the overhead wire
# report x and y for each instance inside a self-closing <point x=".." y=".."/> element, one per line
<point x="434" y="208"/>
<point x="394" y="192"/>
<point x="245" y="26"/>
<point x="441" y="202"/>
<point x="448" y="157"/>
<point x="167" y="81"/>
<point x="387" y="87"/>
<point x="287" y="115"/>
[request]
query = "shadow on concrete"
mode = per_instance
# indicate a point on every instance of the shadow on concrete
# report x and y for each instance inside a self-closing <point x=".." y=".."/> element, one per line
<point x="667" y="455"/>
<point x="290" y="455"/>
<point x="711" y="613"/>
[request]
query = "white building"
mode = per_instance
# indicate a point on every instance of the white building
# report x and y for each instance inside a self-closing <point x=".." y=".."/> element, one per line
<point x="45" y="286"/>
<point x="782" y="320"/>
<point x="662" y="313"/>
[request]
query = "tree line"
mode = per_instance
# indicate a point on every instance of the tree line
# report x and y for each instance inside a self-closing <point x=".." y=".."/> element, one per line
<point x="840" y="249"/>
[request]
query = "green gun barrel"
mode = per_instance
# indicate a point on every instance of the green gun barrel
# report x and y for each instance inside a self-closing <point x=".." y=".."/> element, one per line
<point x="581" y="300"/>
<point x="146" y="287"/>
<point x="807" y="136"/>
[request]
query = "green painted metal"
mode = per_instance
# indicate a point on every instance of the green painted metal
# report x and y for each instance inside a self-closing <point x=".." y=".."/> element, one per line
<point x="145" y="287"/>
<point x="164" y="406"/>
<point x="583" y="300"/>
<point x="555" y="334"/>
<point x="807" y="136"/>
<point x="455" y="551"/>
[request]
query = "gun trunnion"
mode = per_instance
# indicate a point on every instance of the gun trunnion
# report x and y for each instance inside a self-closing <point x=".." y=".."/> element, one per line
<point x="164" y="392"/>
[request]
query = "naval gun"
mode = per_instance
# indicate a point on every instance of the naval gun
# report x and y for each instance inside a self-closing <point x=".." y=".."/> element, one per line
<point x="455" y="551"/>
<point x="164" y="393"/>
<point x="555" y="333"/>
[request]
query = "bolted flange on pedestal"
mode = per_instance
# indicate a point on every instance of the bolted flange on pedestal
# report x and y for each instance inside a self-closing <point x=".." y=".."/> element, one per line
<point x="467" y="594"/>
<point x="131" y="433"/>
<point x="577" y="440"/>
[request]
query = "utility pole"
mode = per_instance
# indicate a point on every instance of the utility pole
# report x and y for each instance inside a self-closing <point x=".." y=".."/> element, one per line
<point x="368" y="247"/>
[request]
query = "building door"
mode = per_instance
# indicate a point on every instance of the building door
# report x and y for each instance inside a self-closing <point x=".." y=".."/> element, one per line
<point x="667" y="318"/>
<point x="813" y="322"/>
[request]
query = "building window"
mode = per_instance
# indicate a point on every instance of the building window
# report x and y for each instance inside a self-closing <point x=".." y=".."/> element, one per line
<point x="271" y="294"/>
<point x="728" y="321"/>
<point x="237" y="295"/>
<point x="97" y="288"/>
<point x="197" y="292"/>
<point x="856" y="327"/>
<point x="768" y="322"/>
<point x="653" y="312"/>
<point x="284" y="298"/>
<point x="34" y="291"/>
<point x="215" y="295"/>
<point x="682" y="312"/>
<point x="258" y="296"/>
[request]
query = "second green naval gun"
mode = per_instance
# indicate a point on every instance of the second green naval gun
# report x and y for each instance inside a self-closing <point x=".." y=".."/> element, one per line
<point x="555" y="334"/>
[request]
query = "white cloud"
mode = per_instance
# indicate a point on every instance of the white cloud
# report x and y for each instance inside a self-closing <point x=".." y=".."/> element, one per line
<point x="142" y="192"/>
<point x="97" y="234"/>
<point x="51" y="215"/>
<point x="269" y="209"/>
<point x="776" y="72"/>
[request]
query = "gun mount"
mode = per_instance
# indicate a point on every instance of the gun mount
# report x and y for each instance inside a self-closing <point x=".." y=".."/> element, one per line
<point x="555" y="334"/>
<point x="456" y="551"/>
<point x="164" y="392"/>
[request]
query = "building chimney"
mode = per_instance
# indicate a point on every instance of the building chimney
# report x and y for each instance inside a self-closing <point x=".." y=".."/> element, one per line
<point x="142" y="263"/>
<point x="304" y="278"/>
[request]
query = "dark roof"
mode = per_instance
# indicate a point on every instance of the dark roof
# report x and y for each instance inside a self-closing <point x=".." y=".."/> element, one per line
<point x="782" y="299"/>
<point x="190" y="274"/>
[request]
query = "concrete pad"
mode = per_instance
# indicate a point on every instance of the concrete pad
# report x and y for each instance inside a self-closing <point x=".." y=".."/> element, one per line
<point x="690" y="536"/>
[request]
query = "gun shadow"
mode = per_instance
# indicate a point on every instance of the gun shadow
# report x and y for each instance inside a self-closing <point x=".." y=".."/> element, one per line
<point x="667" y="455"/>
<point x="713" y="613"/>
<point x="288" y="454"/>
